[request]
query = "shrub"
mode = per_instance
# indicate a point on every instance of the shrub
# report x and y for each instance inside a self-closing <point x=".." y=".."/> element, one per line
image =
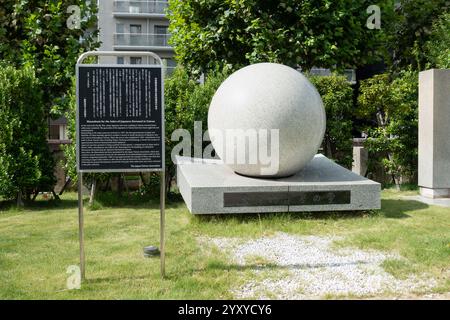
<point x="186" y="102"/>
<point x="70" y="165"/>
<point x="393" y="102"/>
<point x="438" y="47"/>
<point x="35" y="33"/>
<point x="337" y="96"/>
<point x="26" y="164"/>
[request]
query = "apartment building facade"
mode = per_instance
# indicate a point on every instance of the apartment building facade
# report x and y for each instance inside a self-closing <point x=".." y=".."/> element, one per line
<point x="134" y="25"/>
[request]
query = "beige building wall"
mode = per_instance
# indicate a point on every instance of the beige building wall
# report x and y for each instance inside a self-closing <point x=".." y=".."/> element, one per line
<point x="126" y="25"/>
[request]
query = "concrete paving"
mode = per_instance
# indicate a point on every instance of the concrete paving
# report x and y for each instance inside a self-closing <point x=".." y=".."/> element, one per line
<point x="445" y="202"/>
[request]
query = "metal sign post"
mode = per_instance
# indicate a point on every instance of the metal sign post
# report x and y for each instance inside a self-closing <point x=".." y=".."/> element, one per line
<point x="120" y="125"/>
<point x="81" y="226"/>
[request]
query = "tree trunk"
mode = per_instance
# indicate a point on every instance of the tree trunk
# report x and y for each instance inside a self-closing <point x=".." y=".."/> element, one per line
<point x="120" y="185"/>
<point x="93" y="187"/>
<point x="382" y="121"/>
<point x="107" y="185"/>
<point x="55" y="196"/>
<point x="328" y="151"/>
<point x="168" y="181"/>
<point x="36" y="193"/>
<point x="126" y="185"/>
<point x="144" y="183"/>
<point x="19" y="199"/>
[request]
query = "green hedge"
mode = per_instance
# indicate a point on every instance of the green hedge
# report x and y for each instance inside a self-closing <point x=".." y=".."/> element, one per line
<point x="187" y="101"/>
<point x="26" y="164"/>
<point x="392" y="142"/>
<point x="337" y="96"/>
<point x="438" y="48"/>
<point x="69" y="150"/>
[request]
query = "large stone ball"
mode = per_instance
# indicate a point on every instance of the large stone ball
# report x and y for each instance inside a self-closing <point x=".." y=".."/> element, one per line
<point x="267" y="96"/>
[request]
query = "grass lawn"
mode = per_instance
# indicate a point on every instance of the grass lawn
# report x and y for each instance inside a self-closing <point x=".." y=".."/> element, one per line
<point x="38" y="243"/>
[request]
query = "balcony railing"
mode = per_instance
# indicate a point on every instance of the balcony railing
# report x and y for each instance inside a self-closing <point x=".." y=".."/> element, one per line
<point x="141" y="40"/>
<point x="136" y="7"/>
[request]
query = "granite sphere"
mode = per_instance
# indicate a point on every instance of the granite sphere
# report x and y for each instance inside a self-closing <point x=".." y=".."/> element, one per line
<point x="264" y="97"/>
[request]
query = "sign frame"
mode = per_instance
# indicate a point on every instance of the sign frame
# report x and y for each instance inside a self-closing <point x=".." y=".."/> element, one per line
<point x="78" y="151"/>
<point x="163" y="148"/>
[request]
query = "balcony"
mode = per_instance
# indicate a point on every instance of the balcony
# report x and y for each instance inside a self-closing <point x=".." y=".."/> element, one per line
<point x="132" y="41"/>
<point x="140" y="9"/>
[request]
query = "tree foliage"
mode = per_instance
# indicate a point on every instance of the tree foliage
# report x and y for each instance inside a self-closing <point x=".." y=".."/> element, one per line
<point x="35" y="33"/>
<point x="337" y="96"/>
<point x="70" y="165"/>
<point x="186" y="102"/>
<point x="26" y="164"/>
<point x="325" y="33"/>
<point x="394" y="103"/>
<point x="438" y="47"/>
<point x="408" y="33"/>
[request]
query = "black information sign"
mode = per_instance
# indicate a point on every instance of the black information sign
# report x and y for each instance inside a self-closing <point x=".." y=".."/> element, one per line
<point x="120" y="118"/>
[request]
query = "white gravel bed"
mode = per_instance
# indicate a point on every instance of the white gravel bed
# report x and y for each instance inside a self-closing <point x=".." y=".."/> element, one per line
<point x="311" y="267"/>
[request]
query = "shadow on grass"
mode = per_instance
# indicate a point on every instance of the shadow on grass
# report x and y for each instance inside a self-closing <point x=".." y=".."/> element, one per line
<point x="249" y="217"/>
<point x="397" y="208"/>
<point x="272" y="266"/>
<point x="40" y="205"/>
<point x="106" y="200"/>
<point x="391" y="208"/>
<point x="116" y="279"/>
<point x="102" y="201"/>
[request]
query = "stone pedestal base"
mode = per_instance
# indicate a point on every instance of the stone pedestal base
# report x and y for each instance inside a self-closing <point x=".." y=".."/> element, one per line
<point x="210" y="187"/>
<point x="434" y="193"/>
<point x="360" y="158"/>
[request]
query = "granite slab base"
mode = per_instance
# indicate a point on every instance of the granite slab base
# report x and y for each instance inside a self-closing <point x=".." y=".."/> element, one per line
<point x="211" y="187"/>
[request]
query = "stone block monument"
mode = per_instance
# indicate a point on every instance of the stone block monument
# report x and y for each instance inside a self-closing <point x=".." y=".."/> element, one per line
<point x="434" y="133"/>
<point x="266" y="123"/>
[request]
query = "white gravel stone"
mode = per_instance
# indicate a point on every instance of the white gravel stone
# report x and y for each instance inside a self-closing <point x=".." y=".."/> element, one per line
<point x="316" y="269"/>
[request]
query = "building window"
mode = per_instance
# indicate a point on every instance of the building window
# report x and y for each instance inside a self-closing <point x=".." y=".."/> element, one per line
<point x="120" y="60"/>
<point x="135" y="35"/>
<point x="53" y="132"/>
<point x="170" y="65"/>
<point x="161" y="36"/>
<point x="120" y="28"/>
<point x="161" y="29"/>
<point x="135" y="60"/>
<point x="135" y="7"/>
<point x="57" y="132"/>
<point x="135" y="28"/>
<point x="120" y="33"/>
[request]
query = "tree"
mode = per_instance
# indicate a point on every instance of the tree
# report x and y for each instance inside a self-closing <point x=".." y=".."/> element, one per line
<point x="36" y="33"/>
<point x="407" y="34"/>
<point x="26" y="164"/>
<point x="324" y="33"/>
<point x="438" y="47"/>
<point x="187" y="102"/>
<point x="394" y="103"/>
<point x="337" y="96"/>
<point x="89" y="179"/>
